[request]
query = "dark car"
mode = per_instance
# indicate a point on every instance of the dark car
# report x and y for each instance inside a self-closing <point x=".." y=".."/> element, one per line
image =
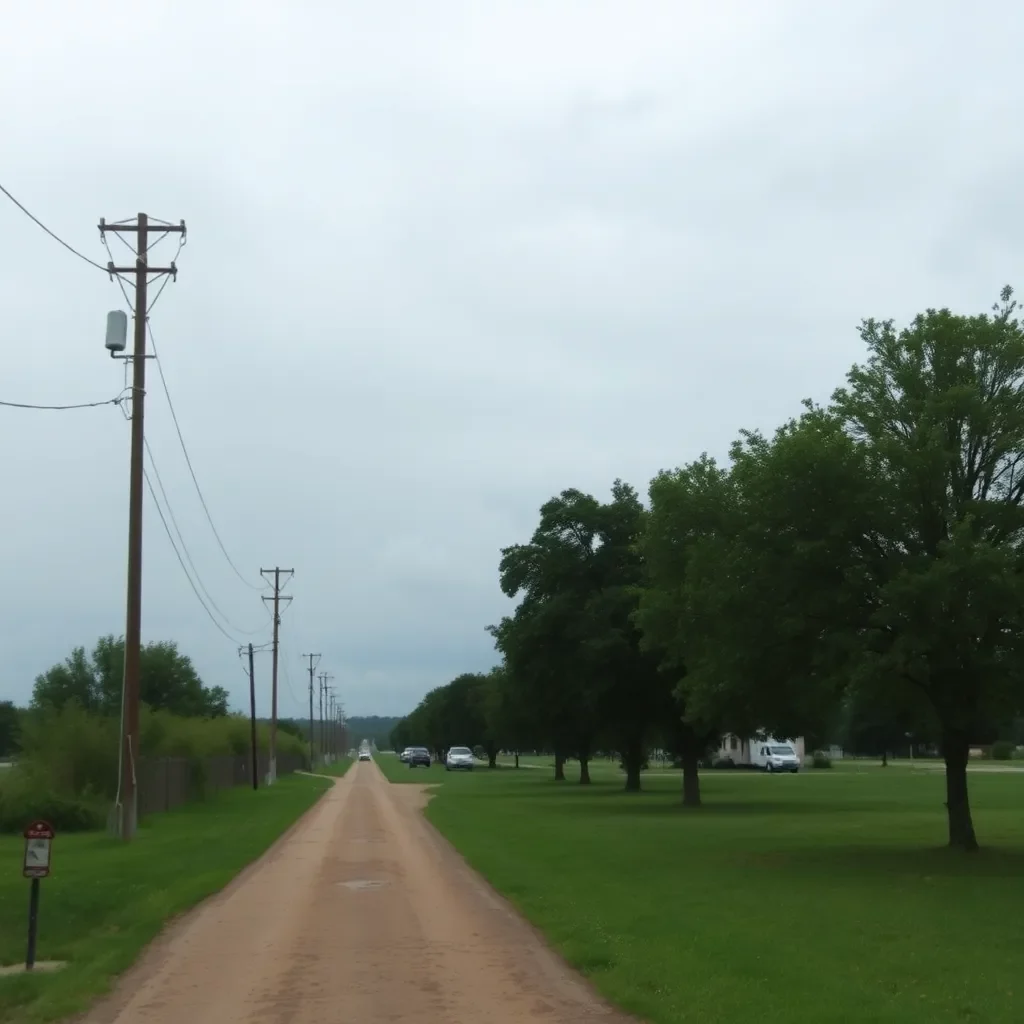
<point x="418" y="756"/>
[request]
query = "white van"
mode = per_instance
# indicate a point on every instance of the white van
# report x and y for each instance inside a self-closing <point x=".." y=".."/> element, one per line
<point x="774" y="755"/>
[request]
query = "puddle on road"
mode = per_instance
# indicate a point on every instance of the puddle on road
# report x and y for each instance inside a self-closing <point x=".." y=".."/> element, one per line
<point x="363" y="884"/>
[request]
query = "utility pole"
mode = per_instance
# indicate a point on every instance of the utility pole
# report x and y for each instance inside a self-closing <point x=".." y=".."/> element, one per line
<point x="331" y="719"/>
<point x="332" y="736"/>
<point x="320" y="693"/>
<point x="277" y="599"/>
<point x="328" y="697"/>
<point x="312" y="667"/>
<point x="127" y="804"/>
<point x="254" y="750"/>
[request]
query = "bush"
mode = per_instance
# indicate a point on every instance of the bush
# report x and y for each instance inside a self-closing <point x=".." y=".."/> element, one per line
<point x="820" y="760"/>
<point x="723" y="762"/>
<point x="22" y="798"/>
<point x="1002" y="750"/>
<point x="67" y="771"/>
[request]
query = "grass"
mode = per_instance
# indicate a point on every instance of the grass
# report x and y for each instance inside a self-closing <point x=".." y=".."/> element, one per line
<point x="396" y="771"/>
<point x="825" y="896"/>
<point x="336" y="769"/>
<point x="106" y="900"/>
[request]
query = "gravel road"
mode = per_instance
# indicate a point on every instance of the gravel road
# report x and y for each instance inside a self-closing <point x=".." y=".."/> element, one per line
<point x="362" y="914"/>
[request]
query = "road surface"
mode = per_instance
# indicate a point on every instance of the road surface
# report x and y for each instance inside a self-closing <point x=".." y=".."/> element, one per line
<point x="361" y="915"/>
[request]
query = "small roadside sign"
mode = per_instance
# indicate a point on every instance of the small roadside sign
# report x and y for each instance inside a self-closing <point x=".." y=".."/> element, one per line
<point x="38" y="842"/>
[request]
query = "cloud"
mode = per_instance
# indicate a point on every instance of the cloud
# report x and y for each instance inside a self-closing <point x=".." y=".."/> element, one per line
<point x="444" y="261"/>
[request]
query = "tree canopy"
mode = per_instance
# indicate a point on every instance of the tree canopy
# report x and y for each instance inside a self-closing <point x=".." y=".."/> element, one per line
<point x="857" y="574"/>
<point x="168" y="681"/>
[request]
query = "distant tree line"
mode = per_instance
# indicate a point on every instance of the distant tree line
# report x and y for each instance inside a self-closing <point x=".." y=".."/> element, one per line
<point x="859" y="573"/>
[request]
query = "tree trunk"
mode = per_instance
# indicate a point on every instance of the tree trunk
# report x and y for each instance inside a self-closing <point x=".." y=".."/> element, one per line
<point x="492" y="758"/>
<point x="559" y="766"/>
<point x="584" y="770"/>
<point x="955" y="750"/>
<point x="885" y="759"/>
<point x="517" y="758"/>
<point x="633" y="758"/>
<point x="691" y="778"/>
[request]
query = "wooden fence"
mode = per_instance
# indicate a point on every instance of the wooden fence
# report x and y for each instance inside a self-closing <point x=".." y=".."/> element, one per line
<point x="167" y="782"/>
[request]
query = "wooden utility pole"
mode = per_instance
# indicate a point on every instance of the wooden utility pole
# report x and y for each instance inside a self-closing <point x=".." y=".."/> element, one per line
<point x="127" y="802"/>
<point x="312" y="667"/>
<point x="254" y="749"/>
<point x="332" y="720"/>
<point x="277" y="599"/>
<point x="331" y="723"/>
<point x="322" y="679"/>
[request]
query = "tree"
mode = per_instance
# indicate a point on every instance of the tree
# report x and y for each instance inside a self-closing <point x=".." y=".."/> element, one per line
<point x="571" y="644"/>
<point x="876" y="544"/>
<point x="685" y="529"/>
<point x="511" y="721"/>
<point x="10" y="728"/>
<point x="939" y="406"/>
<point x="168" y="681"/>
<point x="542" y="640"/>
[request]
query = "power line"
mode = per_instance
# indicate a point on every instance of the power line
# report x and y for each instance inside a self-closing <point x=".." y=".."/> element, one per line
<point x="80" y="405"/>
<point x="188" y="461"/>
<point x="185" y="551"/>
<point x="31" y="216"/>
<point x="167" y="530"/>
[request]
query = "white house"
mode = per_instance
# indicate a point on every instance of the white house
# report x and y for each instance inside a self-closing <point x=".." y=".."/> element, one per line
<point x="740" y="749"/>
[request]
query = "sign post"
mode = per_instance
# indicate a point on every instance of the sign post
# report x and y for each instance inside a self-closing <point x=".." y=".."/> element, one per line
<point x="38" y="840"/>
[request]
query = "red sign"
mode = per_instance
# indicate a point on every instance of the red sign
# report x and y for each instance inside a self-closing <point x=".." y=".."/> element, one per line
<point x="39" y="830"/>
<point x="38" y="837"/>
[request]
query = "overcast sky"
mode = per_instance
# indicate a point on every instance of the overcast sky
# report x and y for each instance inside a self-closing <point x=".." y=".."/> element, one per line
<point x="444" y="260"/>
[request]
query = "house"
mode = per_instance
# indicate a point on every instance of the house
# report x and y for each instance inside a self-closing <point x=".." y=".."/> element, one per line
<point x="740" y="750"/>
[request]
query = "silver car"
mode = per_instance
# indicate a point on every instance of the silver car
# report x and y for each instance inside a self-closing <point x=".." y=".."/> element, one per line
<point x="459" y="758"/>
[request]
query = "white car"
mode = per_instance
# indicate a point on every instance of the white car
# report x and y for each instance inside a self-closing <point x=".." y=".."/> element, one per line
<point x="459" y="757"/>
<point x="364" y="755"/>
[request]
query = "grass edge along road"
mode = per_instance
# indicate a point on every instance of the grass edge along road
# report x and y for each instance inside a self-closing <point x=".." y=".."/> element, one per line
<point x="825" y="896"/>
<point x="106" y="901"/>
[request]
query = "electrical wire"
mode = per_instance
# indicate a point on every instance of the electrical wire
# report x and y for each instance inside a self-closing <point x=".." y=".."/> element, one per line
<point x="188" y="461"/>
<point x="234" y="640"/>
<point x="31" y="216"/>
<point x="80" y="405"/>
<point x="185" y="551"/>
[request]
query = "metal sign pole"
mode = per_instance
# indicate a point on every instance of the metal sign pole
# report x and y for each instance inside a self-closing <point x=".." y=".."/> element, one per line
<point x="36" y="865"/>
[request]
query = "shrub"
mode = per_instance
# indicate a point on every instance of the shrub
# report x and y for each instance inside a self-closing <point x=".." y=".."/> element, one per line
<point x="1002" y="750"/>
<point x="23" y="798"/>
<point x="820" y="760"/>
<point x="723" y="762"/>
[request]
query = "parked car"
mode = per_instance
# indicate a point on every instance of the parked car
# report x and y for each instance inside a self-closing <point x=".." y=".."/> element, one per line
<point x="459" y="758"/>
<point x="419" y="756"/>
<point x="404" y="755"/>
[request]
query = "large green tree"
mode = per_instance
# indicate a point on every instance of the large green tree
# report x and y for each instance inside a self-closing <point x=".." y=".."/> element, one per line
<point x="939" y="407"/>
<point x="874" y="547"/>
<point x="168" y="681"/>
<point x="572" y="644"/>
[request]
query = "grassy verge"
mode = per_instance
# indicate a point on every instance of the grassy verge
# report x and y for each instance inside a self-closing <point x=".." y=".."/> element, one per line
<point x="395" y="771"/>
<point x="337" y="769"/>
<point x="106" y="900"/>
<point x="824" y="896"/>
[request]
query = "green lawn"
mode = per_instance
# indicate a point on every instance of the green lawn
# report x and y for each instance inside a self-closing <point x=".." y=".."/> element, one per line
<point x="337" y="769"/>
<point x="823" y="897"/>
<point x="106" y="900"/>
<point x="398" y="772"/>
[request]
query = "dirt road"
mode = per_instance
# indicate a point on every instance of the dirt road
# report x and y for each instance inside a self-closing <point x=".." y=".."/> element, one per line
<point x="363" y="915"/>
